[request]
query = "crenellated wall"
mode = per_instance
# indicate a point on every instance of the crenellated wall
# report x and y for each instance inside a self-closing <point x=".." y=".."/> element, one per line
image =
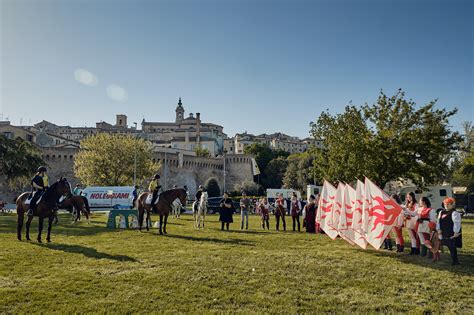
<point x="177" y="169"/>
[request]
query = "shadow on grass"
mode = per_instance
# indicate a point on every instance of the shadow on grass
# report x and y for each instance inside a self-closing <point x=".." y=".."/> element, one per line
<point x="465" y="268"/>
<point x="86" y="251"/>
<point x="241" y="231"/>
<point x="231" y="241"/>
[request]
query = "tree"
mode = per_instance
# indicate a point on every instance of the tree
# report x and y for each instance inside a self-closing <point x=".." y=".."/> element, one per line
<point x="263" y="156"/>
<point x="299" y="171"/>
<point x="108" y="160"/>
<point x="202" y="152"/>
<point x="389" y="140"/>
<point x="19" y="159"/>
<point x="463" y="164"/>
<point x="249" y="187"/>
<point x="212" y="187"/>
<point x="345" y="145"/>
<point x="274" y="173"/>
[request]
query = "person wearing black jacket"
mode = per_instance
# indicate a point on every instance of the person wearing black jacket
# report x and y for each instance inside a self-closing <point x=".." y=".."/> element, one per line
<point x="226" y="211"/>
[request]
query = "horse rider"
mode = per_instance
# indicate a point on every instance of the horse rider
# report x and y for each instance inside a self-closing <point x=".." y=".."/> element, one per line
<point x="155" y="188"/>
<point x="39" y="184"/>
<point x="199" y="193"/>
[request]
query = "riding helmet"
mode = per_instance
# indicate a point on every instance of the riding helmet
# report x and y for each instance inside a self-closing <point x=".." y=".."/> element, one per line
<point x="42" y="169"/>
<point x="157" y="176"/>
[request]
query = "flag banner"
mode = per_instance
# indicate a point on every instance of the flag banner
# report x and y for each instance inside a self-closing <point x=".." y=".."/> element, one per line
<point x="336" y="209"/>
<point x="382" y="213"/>
<point x="359" y="202"/>
<point x="255" y="169"/>
<point x="347" y="212"/>
<point x="325" y="205"/>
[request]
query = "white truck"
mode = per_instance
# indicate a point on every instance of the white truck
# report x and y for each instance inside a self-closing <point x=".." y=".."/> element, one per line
<point x="313" y="190"/>
<point x="435" y="194"/>
<point x="287" y="193"/>
<point x="109" y="197"/>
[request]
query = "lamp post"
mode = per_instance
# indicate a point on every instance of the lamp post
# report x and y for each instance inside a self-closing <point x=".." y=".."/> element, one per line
<point x="135" y="160"/>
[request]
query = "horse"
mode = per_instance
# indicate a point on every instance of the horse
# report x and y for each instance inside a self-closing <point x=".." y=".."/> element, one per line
<point x="176" y="209"/>
<point x="44" y="209"/>
<point x="199" y="210"/>
<point x="163" y="207"/>
<point x="76" y="205"/>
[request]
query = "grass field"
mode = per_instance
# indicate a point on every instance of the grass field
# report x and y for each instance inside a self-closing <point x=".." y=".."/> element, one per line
<point x="88" y="268"/>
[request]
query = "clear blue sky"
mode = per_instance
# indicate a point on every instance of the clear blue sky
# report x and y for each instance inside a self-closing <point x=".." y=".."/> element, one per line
<point x="260" y="66"/>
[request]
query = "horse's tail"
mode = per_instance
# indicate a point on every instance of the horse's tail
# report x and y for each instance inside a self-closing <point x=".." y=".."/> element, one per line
<point x="86" y="204"/>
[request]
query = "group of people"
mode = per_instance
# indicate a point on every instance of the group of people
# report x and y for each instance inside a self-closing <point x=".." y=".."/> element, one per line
<point x="428" y="228"/>
<point x="264" y="208"/>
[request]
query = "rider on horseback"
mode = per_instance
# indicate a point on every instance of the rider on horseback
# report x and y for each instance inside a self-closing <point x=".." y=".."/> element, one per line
<point x="39" y="184"/>
<point x="155" y="188"/>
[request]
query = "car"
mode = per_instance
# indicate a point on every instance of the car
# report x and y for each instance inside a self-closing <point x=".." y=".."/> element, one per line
<point x="213" y="205"/>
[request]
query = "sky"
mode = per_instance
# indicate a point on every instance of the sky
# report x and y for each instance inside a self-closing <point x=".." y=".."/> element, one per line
<point x="256" y="66"/>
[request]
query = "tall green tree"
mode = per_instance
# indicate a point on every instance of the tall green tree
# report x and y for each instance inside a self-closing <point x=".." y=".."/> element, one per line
<point x="108" y="160"/>
<point x="463" y="164"/>
<point x="263" y="154"/>
<point x="274" y="173"/>
<point x="299" y="172"/>
<point x="18" y="158"/>
<point x="389" y="140"/>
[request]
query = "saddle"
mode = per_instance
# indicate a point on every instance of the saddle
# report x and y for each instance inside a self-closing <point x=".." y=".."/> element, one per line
<point x="149" y="198"/>
<point x="28" y="200"/>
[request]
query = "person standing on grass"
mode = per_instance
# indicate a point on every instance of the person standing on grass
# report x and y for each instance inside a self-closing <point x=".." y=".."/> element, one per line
<point x="410" y="219"/>
<point x="264" y="209"/>
<point x="226" y="211"/>
<point x="244" y="211"/>
<point x="449" y="229"/>
<point x="280" y="211"/>
<point x="310" y="215"/>
<point x="425" y="214"/>
<point x="295" y="206"/>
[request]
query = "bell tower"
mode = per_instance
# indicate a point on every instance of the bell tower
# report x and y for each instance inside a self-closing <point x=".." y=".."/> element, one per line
<point x="179" y="111"/>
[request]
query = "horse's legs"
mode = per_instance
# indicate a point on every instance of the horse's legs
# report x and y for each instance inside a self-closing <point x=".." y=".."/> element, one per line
<point x="148" y="220"/>
<point x="203" y="216"/>
<point x="40" y="227"/>
<point x="50" y="225"/>
<point x="161" y="224"/>
<point x="164" y="226"/>
<point x="19" y="225"/>
<point x="28" y="223"/>
<point x="141" y="214"/>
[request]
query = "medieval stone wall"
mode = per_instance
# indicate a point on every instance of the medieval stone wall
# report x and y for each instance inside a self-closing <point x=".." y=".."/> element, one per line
<point x="177" y="169"/>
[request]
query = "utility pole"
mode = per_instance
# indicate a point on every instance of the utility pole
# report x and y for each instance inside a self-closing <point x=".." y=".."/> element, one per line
<point x="165" y="171"/>
<point x="135" y="160"/>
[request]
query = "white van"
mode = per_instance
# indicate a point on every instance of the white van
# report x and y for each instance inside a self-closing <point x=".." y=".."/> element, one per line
<point x="109" y="197"/>
<point x="313" y="190"/>
<point x="287" y="193"/>
<point x="436" y="194"/>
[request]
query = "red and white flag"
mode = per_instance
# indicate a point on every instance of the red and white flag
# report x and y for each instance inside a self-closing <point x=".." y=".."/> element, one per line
<point x="347" y="213"/>
<point x="336" y="210"/>
<point x="325" y="207"/>
<point x="382" y="214"/>
<point x="359" y="232"/>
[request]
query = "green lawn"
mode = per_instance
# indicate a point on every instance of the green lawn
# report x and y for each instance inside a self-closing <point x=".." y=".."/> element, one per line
<point x="89" y="268"/>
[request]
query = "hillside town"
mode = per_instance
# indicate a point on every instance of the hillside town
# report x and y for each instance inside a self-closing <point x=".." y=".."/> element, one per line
<point x="183" y="135"/>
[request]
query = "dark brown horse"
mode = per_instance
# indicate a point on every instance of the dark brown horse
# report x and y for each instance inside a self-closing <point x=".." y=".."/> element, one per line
<point x="44" y="209"/>
<point x="163" y="208"/>
<point x="76" y="205"/>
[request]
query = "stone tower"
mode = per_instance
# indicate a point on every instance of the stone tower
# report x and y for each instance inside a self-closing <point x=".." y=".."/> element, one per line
<point x="179" y="112"/>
